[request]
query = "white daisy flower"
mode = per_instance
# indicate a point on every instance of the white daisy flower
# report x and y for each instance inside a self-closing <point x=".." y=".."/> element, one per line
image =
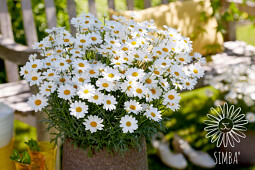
<point x="104" y="84"/>
<point x="34" y="78"/>
<point x="132" y="106"/>
<point x="128" y="124"/>
<point x="61" y="64"/>
<point x="78" y="109"/>
<point x="37" y="102"/>
<point x="24" y="71"/>
<point x="47" y="88"/>
<point x="196" y="70"/>
<point x="153" y="113"/>
<point x="250" y="117"/>
<point x="86" y="91"/>
<point x="109" y="102"/>
<point x="34" y="65"/>
<point x="134" y="74"/>
<point x="139" y="90"/>
<point x="66" y="91"/>
<point x="50" y="74"/>
<point x="171" y="97"/>
<point x="111" y="74"/>
<point x="93" y="123"/>
<point x="97" y="98"/>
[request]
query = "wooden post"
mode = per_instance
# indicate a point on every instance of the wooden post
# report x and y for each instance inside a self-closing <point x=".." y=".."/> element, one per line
<point x="92" y="7"/>
<point x="71" y="7"/>
<point x="50" y="11"/>
<point x="130" y="4"/>
<point x="147" y="3"/>
<point x="111" y="4"/>
<point x="164" y="1"/>
<point x="11" y="68"/>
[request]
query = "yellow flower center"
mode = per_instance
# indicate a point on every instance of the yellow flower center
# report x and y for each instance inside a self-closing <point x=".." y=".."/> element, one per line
<point x="171" y="97"/>
<point x="26" y="72"/>
<point x="86" y="22"/>
<point x="111" y="75"/>
<point x="81" y="64"/>
<point x="124" y="48"/>
<point x="108" y="102"/>
<point x="62" y="80"/>
<point x="96" y="97"/>
<point x="34" y="78"/>
<point x="159" y="52"/>
<point x="176" y="73"/>
<point x="78" y="109"/>
<point x="81" y="79"/>
<point x="34" y="65"/>
<point x="181" y="59"/>
<point x="165" y="49"/>
<point x="38" y="102"/>
<point x="105" y="85"/>
<point x="82" y="41"/>
<point x="113" y="42"/>
<point x="93" y="38"/>
<point x="93" y="124"/>
<point x="133" y="43"/>
<point x="187" y="83"/>
<point x="156" y="72"/>
<point x="195" y="71"/>
<point x="61" y="64"/>
<point x="148" y="81"/>
<point x="51" y="74"/>
<point x="40" y="45"/>
<point x="67" y="92"/>
<point x="128" y="123"/>
<point x="134" y="74"/>
<point x="132" y="107"/>
<point x="86" y="91"/>
<point x="139" y="91"/>
<point x="92" y="72"/>
<point x="66" y="40"/>
<point x="153" y="91"/>
<point x="153" y="114"/>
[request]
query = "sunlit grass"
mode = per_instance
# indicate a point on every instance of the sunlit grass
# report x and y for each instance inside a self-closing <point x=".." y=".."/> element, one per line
<point x="246" y="33"/>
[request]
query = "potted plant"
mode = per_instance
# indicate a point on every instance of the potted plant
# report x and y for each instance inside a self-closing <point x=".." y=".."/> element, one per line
<point x="22" y="161"/>
<point x="43" y="151"/>
<point x="105" y="87"/>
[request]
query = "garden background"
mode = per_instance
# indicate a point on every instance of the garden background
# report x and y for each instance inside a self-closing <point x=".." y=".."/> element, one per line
<point x="195" y="104"/>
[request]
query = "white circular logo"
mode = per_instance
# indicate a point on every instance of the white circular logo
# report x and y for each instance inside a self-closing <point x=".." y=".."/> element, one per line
<point x="225" y="125"/>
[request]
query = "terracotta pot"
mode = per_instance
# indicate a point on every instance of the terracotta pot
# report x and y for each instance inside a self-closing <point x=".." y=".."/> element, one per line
<point x="76" y="158"/>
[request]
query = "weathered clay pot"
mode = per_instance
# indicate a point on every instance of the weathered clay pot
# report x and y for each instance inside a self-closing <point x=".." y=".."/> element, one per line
<point x="76" y="159"/>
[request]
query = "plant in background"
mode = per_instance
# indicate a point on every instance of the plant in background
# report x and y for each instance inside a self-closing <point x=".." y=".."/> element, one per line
<point x="236" y="84"/>
<point x="23" y="158"/>
<point x="107" y="85"/>
<point x="33" y="145"/>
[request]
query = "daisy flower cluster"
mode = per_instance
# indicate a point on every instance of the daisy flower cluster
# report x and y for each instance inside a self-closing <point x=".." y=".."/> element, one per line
<point x="112" y="77"/>
<point x="236" y="84"/>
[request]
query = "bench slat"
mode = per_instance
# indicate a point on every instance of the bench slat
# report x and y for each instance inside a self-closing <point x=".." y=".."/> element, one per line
<point x="17" y="53"/>
<point x="11" y="68"/>
<point x="92" y="7"/>
<point x="71" y="7"/>
<point x="15" y="88"/>
<point x="28" y="22"/>
<point x="50" y="11"/>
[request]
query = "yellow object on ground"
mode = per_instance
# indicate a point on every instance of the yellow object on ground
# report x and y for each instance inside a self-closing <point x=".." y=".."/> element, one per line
<point x="186" y="17"/>
<point x="5" y="153"/>
<point x="49" y="151"/>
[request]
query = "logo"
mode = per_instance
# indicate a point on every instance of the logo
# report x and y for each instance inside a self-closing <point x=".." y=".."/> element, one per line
<point x="225" y="125"/>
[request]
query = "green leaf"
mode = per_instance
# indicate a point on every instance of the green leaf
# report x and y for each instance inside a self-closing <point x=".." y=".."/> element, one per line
<point x="25" y="159"/>
<point x="33" y="145"/>
<point x="15" y="156"/>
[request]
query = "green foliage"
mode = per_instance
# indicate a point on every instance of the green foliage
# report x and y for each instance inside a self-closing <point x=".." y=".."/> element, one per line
<point x="112" y="138"/>
<point x="33" y="145"/>
<point x="23" y="158"/>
